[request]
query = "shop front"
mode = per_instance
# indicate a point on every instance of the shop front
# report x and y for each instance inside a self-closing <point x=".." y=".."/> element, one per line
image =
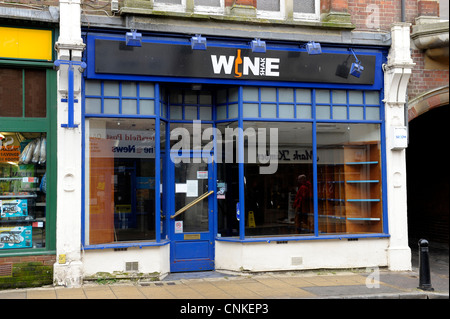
<point x="226" y="158"/>
<point x="27" y="154"/>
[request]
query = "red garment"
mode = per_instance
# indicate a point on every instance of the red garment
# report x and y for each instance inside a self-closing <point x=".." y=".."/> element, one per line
<point x="301" y="201"/>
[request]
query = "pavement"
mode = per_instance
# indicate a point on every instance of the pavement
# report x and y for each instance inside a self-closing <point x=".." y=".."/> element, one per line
<point x="196" y="287"/>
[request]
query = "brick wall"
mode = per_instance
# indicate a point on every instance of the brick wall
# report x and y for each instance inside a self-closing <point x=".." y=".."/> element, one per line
<point x="424" y="79"/>
<point x="379" y="15"/>
<point x="26" y="271"/>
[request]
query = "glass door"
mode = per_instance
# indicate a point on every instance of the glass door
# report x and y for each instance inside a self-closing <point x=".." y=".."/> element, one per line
<point x="192" y="214"/>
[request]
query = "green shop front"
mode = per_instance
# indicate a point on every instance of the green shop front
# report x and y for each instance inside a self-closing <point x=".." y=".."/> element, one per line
<point x="27" y="156"/>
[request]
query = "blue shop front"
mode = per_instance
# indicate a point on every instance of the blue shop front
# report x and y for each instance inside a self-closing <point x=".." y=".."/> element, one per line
<point x="220" y="152"/>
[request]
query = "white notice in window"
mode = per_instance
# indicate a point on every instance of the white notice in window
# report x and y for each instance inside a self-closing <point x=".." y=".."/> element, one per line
<point x="192" y="188"/>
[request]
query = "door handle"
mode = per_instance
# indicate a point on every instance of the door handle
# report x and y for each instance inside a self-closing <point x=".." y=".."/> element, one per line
<point x="199" y="199"/>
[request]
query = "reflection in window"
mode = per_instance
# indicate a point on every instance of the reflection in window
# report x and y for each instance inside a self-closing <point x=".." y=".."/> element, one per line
<point x="281" y="203"/>
<point x="120" y="180"/>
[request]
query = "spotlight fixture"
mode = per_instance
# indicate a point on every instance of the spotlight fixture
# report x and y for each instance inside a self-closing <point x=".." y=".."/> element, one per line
<point x="356" y="68"/>
<point x="258" y="46"/>
<point x="313" y="48"/>
<point x="198" y="42"/>
<point x="133" y="39"/>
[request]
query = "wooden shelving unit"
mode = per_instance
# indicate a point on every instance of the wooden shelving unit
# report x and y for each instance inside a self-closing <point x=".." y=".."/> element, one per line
<point x="349" y="189"/>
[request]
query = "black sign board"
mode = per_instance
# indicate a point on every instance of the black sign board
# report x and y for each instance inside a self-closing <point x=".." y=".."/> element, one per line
<point x="174" y="60"/>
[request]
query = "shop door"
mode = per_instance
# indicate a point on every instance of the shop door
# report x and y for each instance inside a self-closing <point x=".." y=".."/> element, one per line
<point x="191" y="219"/>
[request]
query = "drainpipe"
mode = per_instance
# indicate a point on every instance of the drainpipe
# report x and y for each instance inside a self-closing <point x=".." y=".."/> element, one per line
<point x="403" y="10"/>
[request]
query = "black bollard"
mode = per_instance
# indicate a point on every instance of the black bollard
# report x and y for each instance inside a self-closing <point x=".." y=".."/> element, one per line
<point x="424" y="266"/>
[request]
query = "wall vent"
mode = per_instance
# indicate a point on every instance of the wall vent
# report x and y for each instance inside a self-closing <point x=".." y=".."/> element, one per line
<point x="132" y="266"/>
<point x="6" y="270"/>
<point x="296" y="261"/>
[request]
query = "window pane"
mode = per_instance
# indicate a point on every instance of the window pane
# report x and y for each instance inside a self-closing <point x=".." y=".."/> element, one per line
<point x="232" y="111"/>
<point x="268" y="95"/>
<point x="129" y="107"/>
<point x="23" y="187"/>
<point x="349" y="178"/>
<point x="168" y="1"/>
<point x="93" y="87"/>
<point x="286" y="95"/>
<point x="286" y="111"/>
<point x="340" y="112"/>
<point x="304" y="6"/>
<point x="373" y="97"/>
<point x="323" y="112"/>
<point x="190" y="113"/>
<point x="355" y="97"/>
<point x="146" y="90"/>
<point x="323" y="96"/>
<point x="205" y="98"/>
<point x="11" y="88"/>
<point x="111" y="88"/>
<point x="280" y="202"/>
<point x="93" y="105"/>
<point x="221" y="112"/>
<point x="356" y="113"/>
<point x="111" y="106"/>
<point x="129" y="89"/>
<point x="304" y="112"/>
<point x="147" y="107"/>
<point x="268" y="5"/>
<point x="339" y="97"/>
<point x="233" y="95"/>
<point x="211" y="3"/>
<point x="35" y="93"/>
<point x="121" y="188"/>
<point x="205" y="113"/>
<point x="372" y="113"/>
<point x="250" y="94"/>
<point x="176" y="112"/>
<point x="251" y="110"/>
<point x="303" y="95"/>
<point x="227" y="186"/>
<point x="269" y="110"/>
<point x="190" y="98"/>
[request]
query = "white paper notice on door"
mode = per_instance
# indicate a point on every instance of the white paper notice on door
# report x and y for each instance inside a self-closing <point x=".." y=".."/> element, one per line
<point x="180" y="188"/>
<point x="192" y="188"/>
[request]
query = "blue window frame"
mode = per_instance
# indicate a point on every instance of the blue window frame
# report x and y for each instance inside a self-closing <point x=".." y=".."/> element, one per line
<point x="241" y="101"/>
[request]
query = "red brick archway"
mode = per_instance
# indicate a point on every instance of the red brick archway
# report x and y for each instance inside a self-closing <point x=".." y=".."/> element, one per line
<point x="427" y="101"/>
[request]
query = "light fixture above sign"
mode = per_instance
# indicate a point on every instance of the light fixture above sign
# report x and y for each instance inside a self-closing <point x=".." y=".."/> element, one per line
<point x="133" y="39"/>
<point x="258" y="46"/>
<point x="198" y="42"/>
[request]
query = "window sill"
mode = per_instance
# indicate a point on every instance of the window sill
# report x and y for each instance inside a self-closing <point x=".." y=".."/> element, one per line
<point x="329" y="22"/>
<point x="141" y="245"/>
<point x="299" y="238"/>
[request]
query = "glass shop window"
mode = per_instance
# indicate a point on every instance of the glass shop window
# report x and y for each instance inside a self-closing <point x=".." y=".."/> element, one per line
<point x="227" y="183"/>
<point x="349" y="178"/>
<point x="23" y="189"/>
<point x="279" y="202"/>
<point x="120" y="180"/>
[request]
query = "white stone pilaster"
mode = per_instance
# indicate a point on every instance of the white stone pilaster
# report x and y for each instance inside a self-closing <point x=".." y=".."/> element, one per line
<point x="397" y="74"/>
<point x="68" y="268"/>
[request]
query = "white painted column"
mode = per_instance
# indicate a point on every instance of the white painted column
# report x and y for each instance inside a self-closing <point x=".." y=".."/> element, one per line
<point x="397" y="74"/>
<point x="68" y="267"/>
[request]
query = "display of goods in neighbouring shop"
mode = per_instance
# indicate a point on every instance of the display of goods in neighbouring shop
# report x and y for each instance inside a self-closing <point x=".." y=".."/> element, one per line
<point x="34" y="152"/>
